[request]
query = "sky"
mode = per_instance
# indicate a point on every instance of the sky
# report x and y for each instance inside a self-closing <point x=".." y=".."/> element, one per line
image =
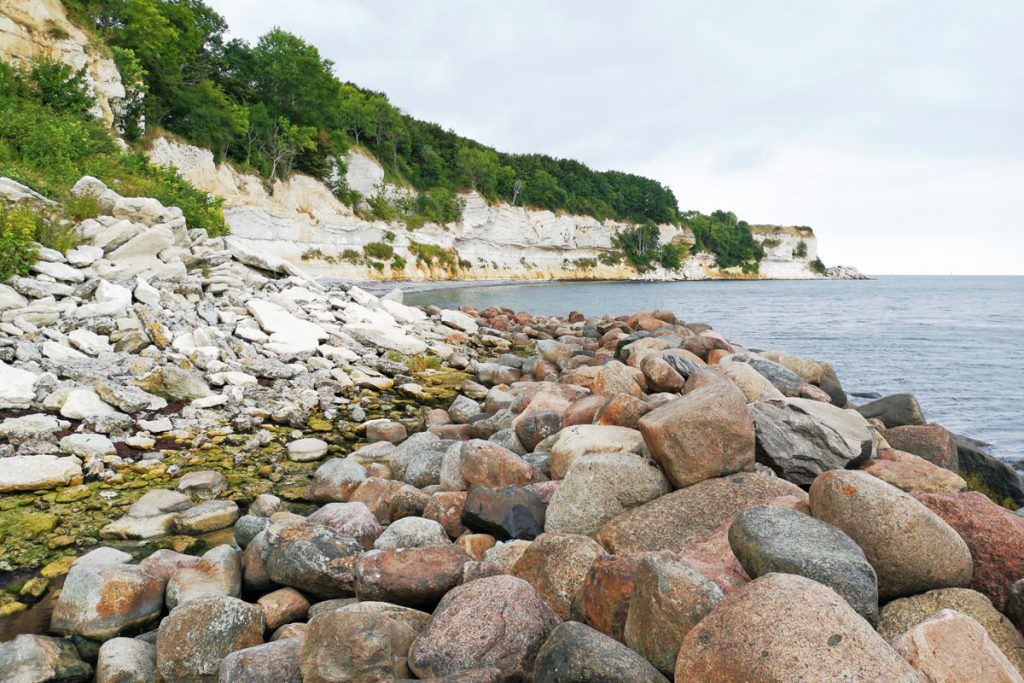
<point x="895" y="128"/>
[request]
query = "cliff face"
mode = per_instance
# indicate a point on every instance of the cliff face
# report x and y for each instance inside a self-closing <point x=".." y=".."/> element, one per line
<point x="40" y="29"/>
<point x="300" y="220"/>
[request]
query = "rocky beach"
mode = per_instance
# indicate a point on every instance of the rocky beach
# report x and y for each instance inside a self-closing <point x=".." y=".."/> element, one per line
<point x="216" y="467"/>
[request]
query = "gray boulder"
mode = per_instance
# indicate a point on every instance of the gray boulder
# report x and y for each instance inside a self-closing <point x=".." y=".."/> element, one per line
<point x="41" y="659"/>
<point x="575" y="653"/>
<point x="769" y="538"/>
<point x="894" y="411"/>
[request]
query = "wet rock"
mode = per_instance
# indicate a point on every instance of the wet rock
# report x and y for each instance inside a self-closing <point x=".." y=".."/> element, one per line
<point x="350" y="646"/>
<point x="195" y="638"/>
<point x="931" y="442"/>
<point x="277" y="661"/>
<point x="785" y="627"/>
<point x="556" y="565"/>
<point x="208" y="516"/>
<point x="598" y="488"/>
<point x="669" y="598"/>
<point x="505" y="513"/>
<point x="126" y="660"/>
<point x="994" y="535"/>
<point x="41" y="659"/>
<point x="691" y="515"/>
<point x="498" y="621"/>
<point x="911" y="549"/>
<point x="311" y="558"/>
<point x="415" y="577"/>
<point x="800" y="438"/>
<point x="575" y="653"/>
<point x="336" y="480"/>
<point x="218" y="573"/>
<point x="349" y="519"/>
<point x="704" y="434"/>
<point x="767" y="539"/>
<point x="951" y="646"/>
<point x="101" y="601"/>
<point x="894" y="411"/>
<point x="900" y="616"/>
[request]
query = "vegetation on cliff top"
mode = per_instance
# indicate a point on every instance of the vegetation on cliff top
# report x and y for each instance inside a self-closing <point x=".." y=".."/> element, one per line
<point x="278" y="106"/>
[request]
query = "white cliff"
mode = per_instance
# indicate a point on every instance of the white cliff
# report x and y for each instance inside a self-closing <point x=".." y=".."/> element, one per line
<point x="300" y="220"/>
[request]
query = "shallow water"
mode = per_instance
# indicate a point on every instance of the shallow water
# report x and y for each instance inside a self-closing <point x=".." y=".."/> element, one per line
<point x="955" y="342"/>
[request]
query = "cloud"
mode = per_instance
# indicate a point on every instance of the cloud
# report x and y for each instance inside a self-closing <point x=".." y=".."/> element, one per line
<point x="889" y="127"/>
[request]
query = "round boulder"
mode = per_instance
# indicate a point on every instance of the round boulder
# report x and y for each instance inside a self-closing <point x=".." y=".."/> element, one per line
<point x="575" y="653"/>
<point x="195" y="637"/>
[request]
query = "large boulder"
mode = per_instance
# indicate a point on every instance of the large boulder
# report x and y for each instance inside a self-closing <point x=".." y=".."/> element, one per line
<point x="800" y="438"/>
<point x="351" y="647"/>
<point x="336" y="480"/>
<point x="414" y="577"/>
<point x="349" y="519"/>
<point x="488" y="464"/>
<point x="556" y="564"/>
<point x="40" y="659"/>
<point x="768" y="538"/>
<point x="602" y="600"/>
<point x="195" y="637"/>
<point x="498" y="621"/>
<point x="995" y="475"/>
<point x="783" y="627"/>
<point x="912" y="473"/>
<point x="599" y="487"/>
<point x="277" y="661"/>
<point x="994" y="535"/>
<point x="911" y="549"/>
<point x="951" y="646"/>
<point x="219" y="572"/>
<point x="701" y="435"/>
<point x="312" y="558"/>
<point x="579" y="440"/>
<point x="900" y="616"/>
<point x="931" y="442"/>
<point x="126" y="660"/>
<point x="691" y="515"/>
<point x="669" y="598"/>
<point x="101" y="601"/>
<point x="894" y="411"/>
<point x="575" y="653"/>
<point x="511" y="512"/>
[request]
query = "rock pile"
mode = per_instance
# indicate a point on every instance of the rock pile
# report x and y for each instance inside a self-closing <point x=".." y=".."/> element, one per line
<point x="627" y="499"/>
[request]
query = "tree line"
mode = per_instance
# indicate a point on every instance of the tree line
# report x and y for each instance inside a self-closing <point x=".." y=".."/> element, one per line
<point x="277" y="106"/>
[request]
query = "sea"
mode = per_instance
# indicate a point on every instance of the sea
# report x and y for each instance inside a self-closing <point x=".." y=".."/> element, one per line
<point x="955" y="342"/>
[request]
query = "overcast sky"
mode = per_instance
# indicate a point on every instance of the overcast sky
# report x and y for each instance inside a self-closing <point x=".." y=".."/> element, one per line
<point x="894" y="128"/>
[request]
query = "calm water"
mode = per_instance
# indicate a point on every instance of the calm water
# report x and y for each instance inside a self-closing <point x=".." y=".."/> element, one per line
<point x="955" y="342"/>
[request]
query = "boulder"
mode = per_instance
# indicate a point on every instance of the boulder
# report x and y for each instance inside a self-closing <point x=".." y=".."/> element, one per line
<point x="194" y="639"/>
<point x="894" y="411"/>
<point x="414" y="577"/>
<point x="277" y="661"/>
<point x="126" y="660"/>
<point x="783" y="627"/>
<point x="218" y="573"/>
<point x="913" y="474"/>
<point x="497" y="621"/>
<point x="210" y="515"/>
<point x="537" y="425"/>
<point x="488" y="464"/>
<point x="283" y="606"/>
<point x="556" y="565"/>
<point x="701" y="435"/>
<point x="101" y="601"/>
<point x="1014" y="607"/>
<point x="311" y="558"/>
<point x="412" y="532"/>
<point x="336" y="480"/>
<point x="669" y="598"/>
<point x="951" y="646"/>
<point x="307" y="450"/>
<point x="692" y="515"/>
<point x="602" y="600"/>
<point x="35" y="472"/>
<point x="349" y="519"/>
<point x="800" y="438"/>
<point x="202" y="484"/>
<point x="575" y="653"/>
<point x="911" y="549"/>
<point x="599" y="487"/>
<point x="17" y="387"/>
<point x="511" y="512"/>
<point x="754" y="385"/>
<point x="994" y="535"/>
<point x="767" y="539"/>
<point x="902" y="615"/>
<point x="992" y="473"/>
<point x="931" y="442"/>
<point x="352" y="647"/>
<point x="413" y="618"/>
<point x="40" y="659"/>
<point x="579" y="440"/>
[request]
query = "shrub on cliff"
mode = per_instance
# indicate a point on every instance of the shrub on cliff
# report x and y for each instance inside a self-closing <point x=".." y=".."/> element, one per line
<point x="723" y="235"/>
<point x="17" y="240"/>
